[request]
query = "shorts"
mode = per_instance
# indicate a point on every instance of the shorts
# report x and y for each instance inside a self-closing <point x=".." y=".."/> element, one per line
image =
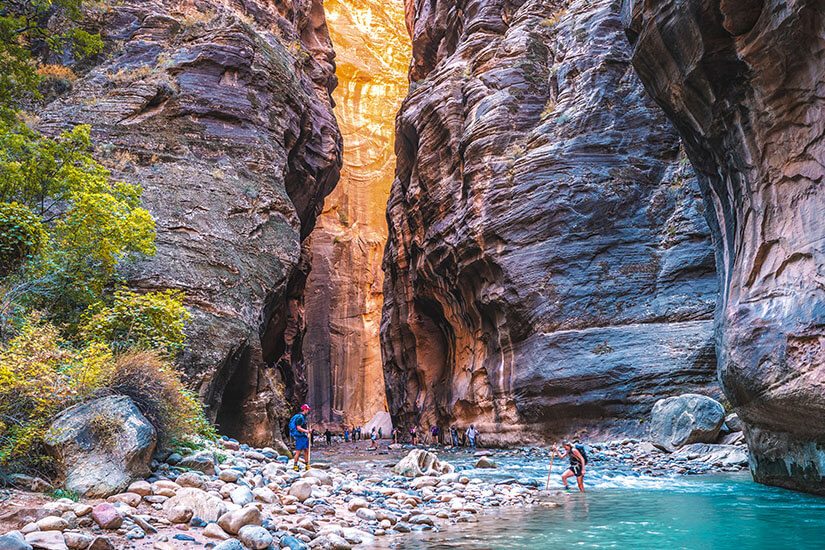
<point x="576" y="469"/>
<point x="301" y="443"/>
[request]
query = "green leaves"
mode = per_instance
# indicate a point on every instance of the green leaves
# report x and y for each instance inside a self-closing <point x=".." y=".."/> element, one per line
<point x="22" y="236"/>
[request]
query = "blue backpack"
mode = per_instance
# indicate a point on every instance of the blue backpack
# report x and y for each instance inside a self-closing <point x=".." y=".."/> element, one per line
<point x="297" y="420"/>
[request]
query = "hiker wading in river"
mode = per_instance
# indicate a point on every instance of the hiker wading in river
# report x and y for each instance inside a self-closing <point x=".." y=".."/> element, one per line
<point x="300" y="433"/>
<point x="578" y="460"/>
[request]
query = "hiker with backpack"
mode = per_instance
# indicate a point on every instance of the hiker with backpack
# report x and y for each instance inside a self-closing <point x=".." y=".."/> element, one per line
<point x="578" y="460"/>
<point x="300" y="433"/>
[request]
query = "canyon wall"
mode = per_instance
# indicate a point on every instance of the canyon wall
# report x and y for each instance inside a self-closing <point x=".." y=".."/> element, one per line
<point x="222" y="112"/>
<point x="548" y="267"/>
<point x="743" y="82"/>
<point x="344" y="288"/>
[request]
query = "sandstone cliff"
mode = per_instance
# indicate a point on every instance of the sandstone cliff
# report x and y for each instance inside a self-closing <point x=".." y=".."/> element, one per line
<point x="548" y="268"/>
<point x="743" y="83"/>
<point x="344" y="288"/>
<point x="222" y="112"/>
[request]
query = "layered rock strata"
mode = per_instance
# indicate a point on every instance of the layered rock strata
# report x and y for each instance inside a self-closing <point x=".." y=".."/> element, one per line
<point x="222" y="112"/>
<point x="743" y="83"/>
<point x="344" y="290"/>
<point x="548" y="268"/>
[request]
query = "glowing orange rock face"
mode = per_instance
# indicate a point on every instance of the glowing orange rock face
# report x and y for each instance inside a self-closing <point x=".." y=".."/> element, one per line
<point x="344" y="291"/>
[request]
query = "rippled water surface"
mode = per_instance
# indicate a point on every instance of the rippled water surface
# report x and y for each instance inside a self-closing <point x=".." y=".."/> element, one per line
<point x="623" y="510"/>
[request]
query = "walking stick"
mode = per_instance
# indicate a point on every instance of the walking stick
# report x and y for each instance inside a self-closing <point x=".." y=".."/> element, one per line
<point x="309" y="447"/>
<point x="547" y="486"/>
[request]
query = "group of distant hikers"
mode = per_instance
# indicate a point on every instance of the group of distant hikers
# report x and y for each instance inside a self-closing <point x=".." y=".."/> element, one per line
<point x="303" y="436"/>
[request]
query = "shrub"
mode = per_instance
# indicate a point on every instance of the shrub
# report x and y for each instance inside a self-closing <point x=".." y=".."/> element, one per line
<point x="42" y="374"/>
<point x="151" y="321"/>
<point x="158" y="392"/>
<point x="21" y="236"/>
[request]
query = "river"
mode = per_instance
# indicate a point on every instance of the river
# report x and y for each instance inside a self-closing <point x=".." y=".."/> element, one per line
<point x="624" y="510"/>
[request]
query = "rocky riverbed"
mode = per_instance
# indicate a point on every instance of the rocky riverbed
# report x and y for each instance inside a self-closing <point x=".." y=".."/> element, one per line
<point x="230" y="497"/>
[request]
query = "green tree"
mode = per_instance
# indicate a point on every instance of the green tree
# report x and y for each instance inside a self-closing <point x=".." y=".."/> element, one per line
<point x="91" y="223"/>
<point x="36" y="27"/>
<point x="151" y="321"/>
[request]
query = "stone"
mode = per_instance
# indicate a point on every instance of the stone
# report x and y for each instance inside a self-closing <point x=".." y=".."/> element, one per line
<point x="107" y="516"/>
<point x="202" y="461"/>
<point x="132" y="499"/>
<point x="141" y="487"/>
<point x="323" y="477"/>
<point x="768" y="254"/>
<point x="733" y="423"/>
<point x="179" y="514"/>
<point x="214" y="531"/>
<point x="255" y="537"/>
<point x="366" y="514"/>
<point x="264" y="494"/>
<point x="419" y="462"/>
<point x="231" y="522"/>
<point x="47" y="540"/>
<point x="485" y="462"/>
<point x="101" y="445"/>
<point x="539" y="270"/>
<point x="301" y="490"/>
<point x="52" y="523"/>
<point x="203" y="505"/>
<point x="681" y="420"/>
<point x="260" y="199"/>
<point x="101" y="543"/>
<point x="288" y="541"/>
<point x="77" y="541"/>
<point x="144" y="524"/>
<point x="241" y="496"/>
<point x="14" y="540"/>
<point x="229" y="475"/>
<point x="191" y="479"/>
<point x="230" y="544"/>
<point x="337" y="542"/>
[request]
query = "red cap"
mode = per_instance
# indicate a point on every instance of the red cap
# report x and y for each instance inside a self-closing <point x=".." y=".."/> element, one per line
<point x="305" y="407"/>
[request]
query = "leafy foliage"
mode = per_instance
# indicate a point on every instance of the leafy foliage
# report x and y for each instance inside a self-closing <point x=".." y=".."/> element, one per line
<point x="152" y="321"/>
<point x="92" y="223"/>
<point x="42" y="374"/>
<point x="21" y="236"/>
<point x="25" y="32"/>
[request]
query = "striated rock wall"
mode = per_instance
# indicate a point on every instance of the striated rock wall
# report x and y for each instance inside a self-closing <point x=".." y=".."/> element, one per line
<point x="344" y="289"/>
<point x="743" y="82"/>
<point x="548" y="268"/>
<point x="222" y="112"/>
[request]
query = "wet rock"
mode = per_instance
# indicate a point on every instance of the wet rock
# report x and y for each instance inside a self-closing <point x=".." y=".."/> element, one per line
<point x="485" y="462"/>
<point x="101" y="446"/>
<point x="685" y="419"/>
<point x="255" y="537"/>
<point x="733" y="423"/>
<point x="419" y="462"/>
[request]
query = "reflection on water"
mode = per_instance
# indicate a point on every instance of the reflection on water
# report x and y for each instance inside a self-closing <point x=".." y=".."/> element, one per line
<point x="624" y="510"/>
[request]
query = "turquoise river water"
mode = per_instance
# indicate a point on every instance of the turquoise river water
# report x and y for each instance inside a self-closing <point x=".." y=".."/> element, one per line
<point x="624" y="510"/>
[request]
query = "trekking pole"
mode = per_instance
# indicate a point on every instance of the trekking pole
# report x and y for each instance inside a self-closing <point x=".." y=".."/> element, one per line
<point x="552" y="456"/>
<point x="309" y="447"/>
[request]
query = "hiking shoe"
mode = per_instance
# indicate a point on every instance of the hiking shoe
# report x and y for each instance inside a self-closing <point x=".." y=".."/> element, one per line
<point x="296" y="468"/>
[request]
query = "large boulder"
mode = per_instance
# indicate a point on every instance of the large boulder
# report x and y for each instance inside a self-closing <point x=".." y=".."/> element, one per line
<point x="203" y="505"/>
<point x="382" y="421"/>
<point x="101" y="446"/>
<point x="421" y="463"/>
<point x="685" y="419"/>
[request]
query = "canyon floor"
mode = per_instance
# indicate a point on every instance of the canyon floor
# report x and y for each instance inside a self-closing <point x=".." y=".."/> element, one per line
<point x="351" y="497"/>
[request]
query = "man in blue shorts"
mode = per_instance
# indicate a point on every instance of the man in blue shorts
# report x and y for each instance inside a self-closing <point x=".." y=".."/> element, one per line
<point x="298" y="430"/>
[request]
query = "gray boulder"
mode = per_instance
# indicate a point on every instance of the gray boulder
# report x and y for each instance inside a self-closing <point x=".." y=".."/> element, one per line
<point x="419" y="462"/>
<point x="733" y="423"/>
<point x="101" y="446"/>
<point x="13" y="540"/>
<point x="689" y="418"/>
